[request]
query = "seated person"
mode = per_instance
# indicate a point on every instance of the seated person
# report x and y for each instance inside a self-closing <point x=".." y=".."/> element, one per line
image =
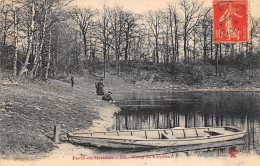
<point x="107" y="97"/>
<point x="100" y="87"/>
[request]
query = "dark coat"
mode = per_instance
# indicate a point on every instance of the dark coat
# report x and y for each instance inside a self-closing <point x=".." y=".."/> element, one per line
<point x="107" y="97"/>
<point x="100" y="88"/>
<point x="72" y="80"/>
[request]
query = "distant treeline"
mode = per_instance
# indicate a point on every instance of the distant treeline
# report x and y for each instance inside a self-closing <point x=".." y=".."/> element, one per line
<point x="46" y="37"/>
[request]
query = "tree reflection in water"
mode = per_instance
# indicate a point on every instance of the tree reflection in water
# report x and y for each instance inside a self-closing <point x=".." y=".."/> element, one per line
<point x="157" y="110"/>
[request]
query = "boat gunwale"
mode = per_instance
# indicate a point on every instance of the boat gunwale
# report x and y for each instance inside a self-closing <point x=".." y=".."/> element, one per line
<point x="175" y="139"/>
<point x="154" y="130"/>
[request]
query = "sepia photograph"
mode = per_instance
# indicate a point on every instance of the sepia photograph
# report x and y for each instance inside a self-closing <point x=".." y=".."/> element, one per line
<point x="130" y="82"/>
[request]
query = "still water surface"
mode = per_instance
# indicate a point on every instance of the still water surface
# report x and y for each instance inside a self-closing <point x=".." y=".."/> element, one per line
<point x="161" y="109"/>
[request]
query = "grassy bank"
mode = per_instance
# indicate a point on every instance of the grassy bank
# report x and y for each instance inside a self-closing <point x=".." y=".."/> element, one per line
<point x="29" y="111"/>
<point x="191" y="76"/>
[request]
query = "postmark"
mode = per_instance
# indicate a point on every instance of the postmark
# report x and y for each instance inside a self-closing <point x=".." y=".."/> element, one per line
<point x="230" y="21"/>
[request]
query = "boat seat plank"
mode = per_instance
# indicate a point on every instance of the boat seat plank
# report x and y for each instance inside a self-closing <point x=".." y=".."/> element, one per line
<point x="111" y="134"/>
<point x="178" y="133"/>
<point x="190" y="133"/>
<point x="126" y="138"/>
<point x="125" y="133"/>
<point x="98" y="134"/>
<point x="152" y="134"/>
<point x="140" y="134"/>
<point x="84" y="134"/>
<point x="201" y="132"/>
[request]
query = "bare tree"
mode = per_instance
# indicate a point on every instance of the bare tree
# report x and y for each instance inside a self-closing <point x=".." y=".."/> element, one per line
<point x="84" y="19"/>
<point x="104" y="34"/>
<point x="191" y="18"/>
<point x="130" y="30"/>
<point x="15" y="17"/>
<point x="53" y="43"/>
<point x="165" y="48"/>
<point x="49" y="47"/>
<point x="35" y="25"/>
<point x="117" y="33"/>
<point x="205" y="23"/>
<point x="253" y="33"/>
<point x="173" y="22"/>
<point x="41" y="40"/>
<point x="154" y="23"/>
<point x="6" y="24"/>
<point x="30" y="39"/>
<point x="5" y="11"/>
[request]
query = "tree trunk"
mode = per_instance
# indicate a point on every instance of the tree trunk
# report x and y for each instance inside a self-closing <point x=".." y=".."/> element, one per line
<point x="251" y="51"/>
<point x="104" y="45"/>
<point x="49" y="52"/>
<point x="126" y="47"/>
<point x="185" y="36"/>
<point x="108" y="56"/>
<point x="156" y="50"/>
<point x="53" y="62"/>
<point x="185" y="46"/>
<point x="85" y="44"/>
<point x="33" y="72"/>
<point x="117" y="42"/>
<point x="232" y="50"/>
<point x="127" y="42"/>
<point x="16" y="44"/>
<point x="204" y="46"/>
<point x="177" y="49"/>
<point x="216" y="58"/>
<point x="194" y="44"/>
<point x="167" y="45"/>
<point x="220" y="53"/>
<point x="188" y="50"/>
<point x="5" y="28"/>
<point x="164" y="51"/>
<point x="156" y="38"/>
<point x="118" y="70"/>
<point x="176" y="38"/>
<point x="31" y="33"/>
<point x="247" y="49"/>
<point x="55" y="58"/>
<point x="104" y="57"/>
<point x="211" y="43"/>
<point x="172" y="43"/>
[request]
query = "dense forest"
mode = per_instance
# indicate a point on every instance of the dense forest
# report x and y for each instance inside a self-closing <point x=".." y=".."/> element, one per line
<point x="52" y="38"/>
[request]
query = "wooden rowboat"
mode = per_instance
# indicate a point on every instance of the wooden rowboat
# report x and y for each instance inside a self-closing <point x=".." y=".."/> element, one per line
<point x="155" y="138"/>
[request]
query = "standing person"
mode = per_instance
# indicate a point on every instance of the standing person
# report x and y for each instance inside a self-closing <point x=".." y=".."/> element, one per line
<point x="72" y="80"/>
<point x="100" y="87"/>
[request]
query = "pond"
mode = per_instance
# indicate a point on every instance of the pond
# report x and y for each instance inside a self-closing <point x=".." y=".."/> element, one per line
<point x="162" y="109"/>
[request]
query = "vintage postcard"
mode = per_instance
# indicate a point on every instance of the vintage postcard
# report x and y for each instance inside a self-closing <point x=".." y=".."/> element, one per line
<point x="129" y="82"/>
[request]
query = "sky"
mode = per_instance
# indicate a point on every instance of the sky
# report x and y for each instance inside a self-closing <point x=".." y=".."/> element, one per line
<point x="140" y="6"/>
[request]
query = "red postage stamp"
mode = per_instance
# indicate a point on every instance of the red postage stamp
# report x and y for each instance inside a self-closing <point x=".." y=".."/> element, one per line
<point x="230" y="20"/>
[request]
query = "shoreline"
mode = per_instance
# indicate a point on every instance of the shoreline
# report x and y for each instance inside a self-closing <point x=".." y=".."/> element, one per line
<point x="199" y="89"/>
<point x="40" y="105"/>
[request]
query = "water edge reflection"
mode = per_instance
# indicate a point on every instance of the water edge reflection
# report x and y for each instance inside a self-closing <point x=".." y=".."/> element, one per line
<point x="157" y="110"/>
